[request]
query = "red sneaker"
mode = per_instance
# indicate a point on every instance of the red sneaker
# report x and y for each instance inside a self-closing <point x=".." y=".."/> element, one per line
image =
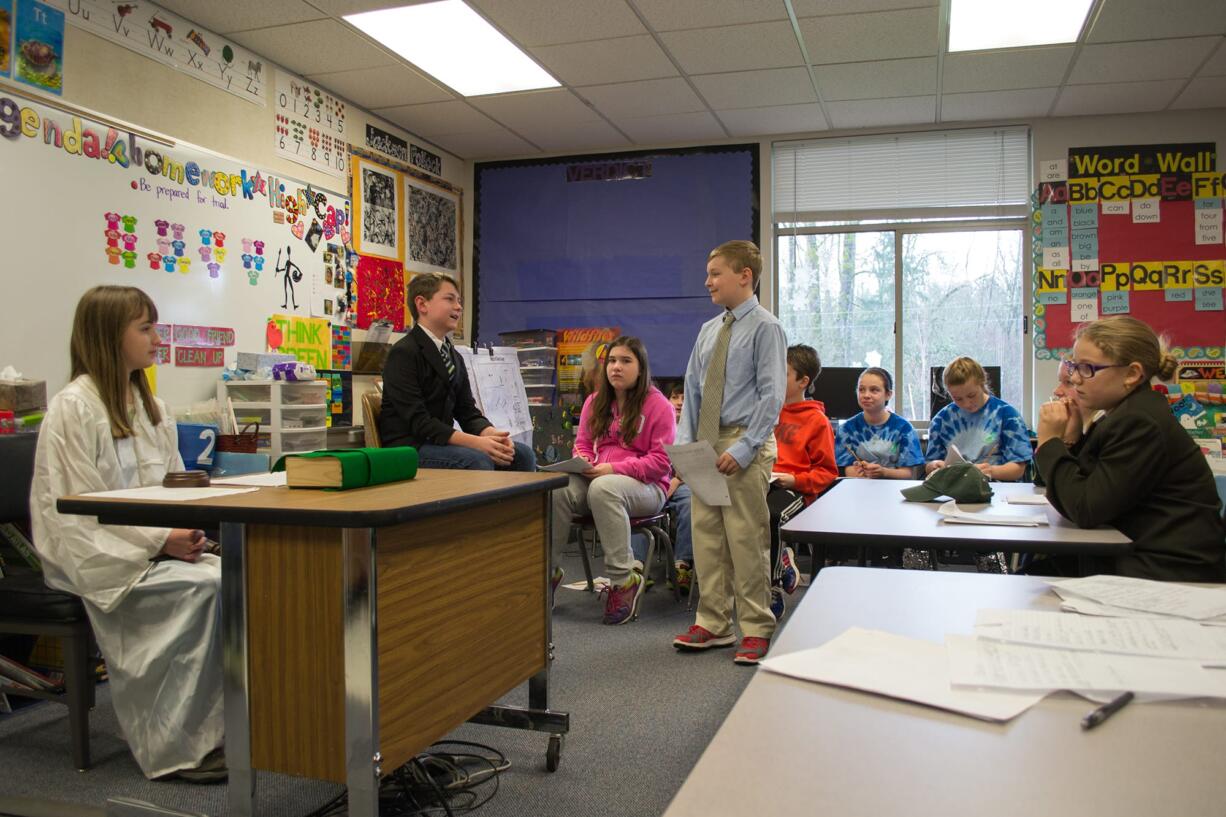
<point x="700" y="638"/>
<point x="752" y="650"/>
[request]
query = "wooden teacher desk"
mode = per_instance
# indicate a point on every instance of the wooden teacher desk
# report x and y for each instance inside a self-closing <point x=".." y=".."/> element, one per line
<point x="871" y="513"/>
<point x="360" y="626"/>
<point x="790" y="747"/>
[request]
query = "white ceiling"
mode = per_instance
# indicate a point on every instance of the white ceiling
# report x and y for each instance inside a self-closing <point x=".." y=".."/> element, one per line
<point x="651" y="72"/>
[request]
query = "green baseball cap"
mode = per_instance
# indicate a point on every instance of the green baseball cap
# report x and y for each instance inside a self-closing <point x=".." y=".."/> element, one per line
<point x="961" y="481"/>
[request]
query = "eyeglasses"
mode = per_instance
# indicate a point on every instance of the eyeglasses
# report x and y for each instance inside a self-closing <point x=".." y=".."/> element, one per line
<point x="1087" y="370"/>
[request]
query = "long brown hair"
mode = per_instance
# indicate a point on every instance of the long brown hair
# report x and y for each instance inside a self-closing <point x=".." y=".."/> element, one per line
<point x="96" y="349"/>
<point x="632" y="412"/>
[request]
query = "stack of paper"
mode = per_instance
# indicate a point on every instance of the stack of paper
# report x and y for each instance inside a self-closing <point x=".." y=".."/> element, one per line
<point x="986" y="514"/>
<point x="1123" y="597"/>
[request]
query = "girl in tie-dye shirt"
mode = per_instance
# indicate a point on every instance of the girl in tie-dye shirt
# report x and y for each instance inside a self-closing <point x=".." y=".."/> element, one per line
<point x="877" y="443"/>
<point x="986" y="430"/>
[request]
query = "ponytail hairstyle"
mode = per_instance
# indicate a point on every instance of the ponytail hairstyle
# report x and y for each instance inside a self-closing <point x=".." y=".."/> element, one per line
<point x="886" y="380"/>
<point x="96" y="349"/>
<point x="1126" y="340"/>
<point x="965" y="370"/>
<point x="805" y="362"/>
<point x="601" y="416"/>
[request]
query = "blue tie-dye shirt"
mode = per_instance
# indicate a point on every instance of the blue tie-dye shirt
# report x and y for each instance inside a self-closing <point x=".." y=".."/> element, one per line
<point x="893" y="444"/>
<point x="997" y="428"/>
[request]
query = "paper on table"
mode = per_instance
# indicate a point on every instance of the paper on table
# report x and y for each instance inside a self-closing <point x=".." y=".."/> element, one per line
<point x="1073" y="603"/>
<point x="695" y="464"/>
<point x="171" y="494"/>
<point x="898" y="667"/>
<point x="273" y="480"/>
<point x="574" y="465"/>
<point x="1160" y="638"/>
<point x="953" y="456"/>
<point x="1147" y="595"/>
<point x="979" y="662"/>
<point x="988" y="514"/>
<point x="1027" y="499"/>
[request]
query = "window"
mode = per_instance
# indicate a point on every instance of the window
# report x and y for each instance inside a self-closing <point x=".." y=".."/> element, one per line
<point x="905" y="252"/>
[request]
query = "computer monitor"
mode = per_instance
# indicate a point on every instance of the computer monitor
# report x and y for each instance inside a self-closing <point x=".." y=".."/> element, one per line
<point x="938" y="399"/>
<point x="836" y="387"/>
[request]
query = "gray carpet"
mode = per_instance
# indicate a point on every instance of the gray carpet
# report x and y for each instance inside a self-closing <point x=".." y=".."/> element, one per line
<point x="641" y="715"/>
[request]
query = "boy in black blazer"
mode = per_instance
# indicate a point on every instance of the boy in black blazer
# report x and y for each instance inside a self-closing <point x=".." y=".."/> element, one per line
<point x="426" y="391"/>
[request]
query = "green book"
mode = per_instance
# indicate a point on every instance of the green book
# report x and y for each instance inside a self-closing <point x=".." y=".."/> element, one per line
<point x="348" y="468"/>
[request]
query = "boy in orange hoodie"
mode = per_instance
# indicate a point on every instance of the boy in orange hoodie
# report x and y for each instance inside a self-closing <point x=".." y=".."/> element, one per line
<point x="805" y="465"/>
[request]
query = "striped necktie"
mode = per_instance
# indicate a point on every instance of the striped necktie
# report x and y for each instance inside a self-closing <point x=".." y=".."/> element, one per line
<point x="713" y="384"/>
<point x="445" y="351"/>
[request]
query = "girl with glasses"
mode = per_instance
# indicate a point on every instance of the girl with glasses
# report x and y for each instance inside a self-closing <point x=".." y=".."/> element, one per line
<point x="1135" y="468"/>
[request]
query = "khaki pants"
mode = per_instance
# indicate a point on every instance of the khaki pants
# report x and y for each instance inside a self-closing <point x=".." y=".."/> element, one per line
<point x="732" y="548"/>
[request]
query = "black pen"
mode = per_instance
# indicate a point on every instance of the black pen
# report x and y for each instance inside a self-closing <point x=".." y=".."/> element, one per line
<point x="1106" y="710"/>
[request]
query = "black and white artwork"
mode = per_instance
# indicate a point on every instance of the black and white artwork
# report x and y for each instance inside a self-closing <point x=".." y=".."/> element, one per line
<point x="433" y="228"/>
<point x="378" y="222"/>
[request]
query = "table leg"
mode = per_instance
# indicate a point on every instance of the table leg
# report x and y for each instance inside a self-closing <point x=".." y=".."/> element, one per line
<point x="362" y="758"/>
<point x="240" y="791"/>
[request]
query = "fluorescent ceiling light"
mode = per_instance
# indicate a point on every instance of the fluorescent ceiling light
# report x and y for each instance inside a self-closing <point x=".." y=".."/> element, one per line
<point x="456" y="46"/>
<point x="976" y="25"/>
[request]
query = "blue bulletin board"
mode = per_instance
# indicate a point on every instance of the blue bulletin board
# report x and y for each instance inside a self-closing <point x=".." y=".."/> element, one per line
<point x="610" y="240"/>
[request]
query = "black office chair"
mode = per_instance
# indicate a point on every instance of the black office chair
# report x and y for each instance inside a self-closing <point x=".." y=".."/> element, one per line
<point x="29" y="607"/>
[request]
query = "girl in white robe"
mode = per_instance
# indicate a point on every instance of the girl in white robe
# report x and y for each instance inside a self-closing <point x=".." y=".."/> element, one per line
<point x="156" y="622"/>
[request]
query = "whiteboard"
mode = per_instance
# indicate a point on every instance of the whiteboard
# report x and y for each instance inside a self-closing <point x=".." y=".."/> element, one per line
<point x="240" y="244"/>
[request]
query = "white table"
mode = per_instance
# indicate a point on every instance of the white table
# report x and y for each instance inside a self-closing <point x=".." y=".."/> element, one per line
<point x="790" y="747"/>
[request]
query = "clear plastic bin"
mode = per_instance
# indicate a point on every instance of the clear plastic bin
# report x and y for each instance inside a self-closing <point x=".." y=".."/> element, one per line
<point x="537" y="377"/>
<point x="250" y="392"/>
<point x="311" y="393"/>
<point x="529" y="337"/>
<point x="292" y="417"/>
<point x="297" y="442"/>
<point x="538" y="356"/>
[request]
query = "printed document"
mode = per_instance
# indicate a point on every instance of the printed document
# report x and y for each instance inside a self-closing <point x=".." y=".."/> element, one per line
<point x="695" y="464"/>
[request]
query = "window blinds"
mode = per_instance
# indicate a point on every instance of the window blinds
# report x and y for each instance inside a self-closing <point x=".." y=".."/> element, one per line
<point x="972" y="172"/>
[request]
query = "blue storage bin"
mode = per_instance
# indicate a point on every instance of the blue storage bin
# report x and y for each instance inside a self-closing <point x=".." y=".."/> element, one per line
<point x="197" y="442"/>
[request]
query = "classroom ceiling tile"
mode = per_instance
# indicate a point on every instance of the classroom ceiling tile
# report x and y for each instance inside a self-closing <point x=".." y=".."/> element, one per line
<point x="433" y="118"/>
<point x="490" y="143"/>
<point x="756" y="89"/>
<point x="773" y="119"/>
<point x="229" y="16"/>
<point x="1216" y="65"/>
<point x="884" y="79"/>
<point x="534" y="110"/>
<point x="384" y="87"/>
<point x="1141" y="61"/>
<point x="532" y="23"/>
<point x="883" y="35"/>
<point x="338" y="8"/>
<point x="699" y="126"/>
<point x="1116" y="97"/>
<point x="1202" y="92"/>
<point x="574" y="136"/>
<point x="875" y="113"/>
<point x="670" y="15"/>
<point x="1122" y="20"/>
<point x="1006" y="70"/>
<point x="647" y="98"/>
<point x="1017" y="104"/>
<point x="734" y="48"/>
<point x="317" y="47"/>
<point x="815" y="8"/>
<point x="622" y="59"/>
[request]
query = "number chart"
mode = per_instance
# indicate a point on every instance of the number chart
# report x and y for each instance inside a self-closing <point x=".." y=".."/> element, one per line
<point x="310" y="125"/>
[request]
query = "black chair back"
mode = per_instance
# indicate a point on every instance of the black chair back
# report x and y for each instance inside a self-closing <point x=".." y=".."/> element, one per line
<point x="16" y="475"/>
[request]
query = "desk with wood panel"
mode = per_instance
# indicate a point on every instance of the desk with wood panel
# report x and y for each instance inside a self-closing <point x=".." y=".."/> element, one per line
<point x="354" y="636"/>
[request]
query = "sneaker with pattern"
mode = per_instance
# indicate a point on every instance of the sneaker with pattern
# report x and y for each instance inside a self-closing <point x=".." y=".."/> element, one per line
<point x="685" y="578"/>
<point x="700" y="638"/>
<point x="777" y="605"/>
<point x="789" y="574"/>
<point x="752" y="650"/>
<point x="621" y="601"/>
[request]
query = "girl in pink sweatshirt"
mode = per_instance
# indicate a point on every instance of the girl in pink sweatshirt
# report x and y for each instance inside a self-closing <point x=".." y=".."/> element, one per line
<point x="623" y="429"/>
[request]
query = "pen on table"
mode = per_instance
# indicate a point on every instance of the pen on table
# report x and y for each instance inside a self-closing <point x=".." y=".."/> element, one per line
<point x="1106" y="710"/>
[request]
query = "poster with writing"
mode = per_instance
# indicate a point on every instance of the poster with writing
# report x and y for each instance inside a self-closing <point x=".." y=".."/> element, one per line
<point x="310" y="125"/>
<point x="160" y="35"/>
<point x="308" y="339"/>
<point x="39" y="46"/>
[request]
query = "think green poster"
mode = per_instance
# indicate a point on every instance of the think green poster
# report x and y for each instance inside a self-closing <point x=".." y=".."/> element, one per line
<point x="40" y="46"/>
<point x="6" y="37"/>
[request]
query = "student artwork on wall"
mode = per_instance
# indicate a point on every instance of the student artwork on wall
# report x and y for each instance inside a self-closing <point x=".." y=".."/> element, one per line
<point x="6" y="37"/>
<point x="380" y="293"/>
<point x="432" y="232"/>
<point x="378" y="207"/>
<point x="1131" y="230"/>
<point x="39" y="49"/>
<point x="160" y="35"/>
<point x="310" y="125"/>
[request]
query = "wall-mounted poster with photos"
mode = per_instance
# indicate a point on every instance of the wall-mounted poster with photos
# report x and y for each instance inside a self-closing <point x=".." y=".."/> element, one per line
<point x="432" y="234"/>
<point x="378" y="202"/>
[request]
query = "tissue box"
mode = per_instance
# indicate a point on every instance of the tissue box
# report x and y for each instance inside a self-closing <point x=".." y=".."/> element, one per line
<point x="23" y="395"/>
<point x="251" y="361"/>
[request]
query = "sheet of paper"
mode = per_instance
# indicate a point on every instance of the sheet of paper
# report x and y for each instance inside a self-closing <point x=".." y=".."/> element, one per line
<point x="695" y="464"/>
<point x="1160" y="638"/>
<point x="953" y="456"/>
<point x="1072" y="603"/>
<point x="1147" y="595"/>
<point x="1027" y="499"/>
<point x="776" y="476"/>
<point x="159" y="493"/>
<point x="991" y="514"/>
<point x="908" y="669"/>
<point x="979" y="662"/>
<point x="272" y="480"/>
<point x="574" y="465"/>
